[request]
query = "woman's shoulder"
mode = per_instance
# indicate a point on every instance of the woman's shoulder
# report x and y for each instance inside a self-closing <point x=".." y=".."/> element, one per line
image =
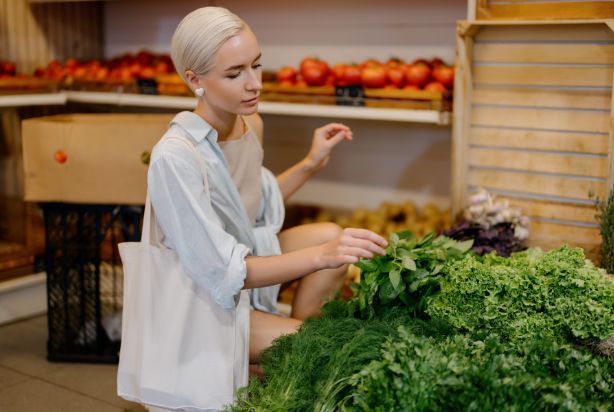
<point x="172" y="149"/>
<point x="254" y="121"/>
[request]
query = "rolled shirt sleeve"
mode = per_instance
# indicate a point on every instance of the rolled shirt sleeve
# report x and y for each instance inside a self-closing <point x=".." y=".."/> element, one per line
<point x="212" y="257"/>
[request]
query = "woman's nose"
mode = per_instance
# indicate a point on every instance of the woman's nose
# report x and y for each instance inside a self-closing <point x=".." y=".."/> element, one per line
<point x="254" y="82"/>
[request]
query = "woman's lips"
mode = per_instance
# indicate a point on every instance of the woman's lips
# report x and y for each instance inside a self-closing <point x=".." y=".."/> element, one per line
<point x="252" y="101"/>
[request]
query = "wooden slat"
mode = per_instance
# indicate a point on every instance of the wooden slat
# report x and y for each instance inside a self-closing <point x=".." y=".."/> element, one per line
<point x="463" y="91"/>
<point x="592" y="166"/>
<point x="538" y="184"/>
<point x="561" y="234"/>
<point x="546" y="32"/>
<point x="540" y="140"/>
<point x="580" y="53"/>
<point x="611" y="140"/>
<point x="543" y="76"/>
<point x="548" y="10"/>
<point x="553" y="210"/>
<point x="569" y="99"/>
<point x="542" y="1"/>
<point x="581" y="121"/>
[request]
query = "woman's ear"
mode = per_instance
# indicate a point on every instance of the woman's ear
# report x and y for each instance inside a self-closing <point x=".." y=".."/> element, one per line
<point x="193" y="80"/>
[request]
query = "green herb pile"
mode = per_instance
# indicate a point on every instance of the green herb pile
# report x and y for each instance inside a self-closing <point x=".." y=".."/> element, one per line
<point x="606" y="226"/>
<point x="407" y="275"/>
<point x="461" y="374"/>
<point x="558" y="293"/>
<point x="433" y="328"/>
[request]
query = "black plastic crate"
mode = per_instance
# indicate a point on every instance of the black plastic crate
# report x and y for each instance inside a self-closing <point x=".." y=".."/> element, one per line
<point x="85" y="278"/>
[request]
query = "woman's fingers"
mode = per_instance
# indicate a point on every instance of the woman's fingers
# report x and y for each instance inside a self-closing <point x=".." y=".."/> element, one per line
<point x="334" y="128"/>
<point x="365" y="245"/>
<point x="337" y="138"/>
<point x="355" y="251"/>
<point x="368" y="235"/>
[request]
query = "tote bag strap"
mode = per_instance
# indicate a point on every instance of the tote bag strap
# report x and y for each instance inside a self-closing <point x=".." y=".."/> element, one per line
<point x="150" y="233"/>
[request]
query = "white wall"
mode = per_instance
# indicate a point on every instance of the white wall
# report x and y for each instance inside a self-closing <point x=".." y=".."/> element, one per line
<point x="388" y="160"/>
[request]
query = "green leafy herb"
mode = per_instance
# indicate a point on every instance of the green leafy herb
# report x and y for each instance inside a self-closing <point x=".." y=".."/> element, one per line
<point x="407" y="274"/>
<point x="558" y="293"/>
<point x="606" y="223"/>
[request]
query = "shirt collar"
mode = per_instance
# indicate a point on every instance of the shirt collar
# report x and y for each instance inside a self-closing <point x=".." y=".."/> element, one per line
<point x="196" y="126"/>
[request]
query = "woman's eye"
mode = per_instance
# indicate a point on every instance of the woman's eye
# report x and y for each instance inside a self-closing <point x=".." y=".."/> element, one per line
<point x="256" y="66"/>
<point x="234" y="75"/>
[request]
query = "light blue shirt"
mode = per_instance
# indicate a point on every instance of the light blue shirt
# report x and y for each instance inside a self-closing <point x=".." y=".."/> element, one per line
<point x="207" y="225"/>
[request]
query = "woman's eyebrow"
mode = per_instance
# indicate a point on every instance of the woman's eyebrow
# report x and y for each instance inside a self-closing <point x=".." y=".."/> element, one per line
<point x="240" y="66"/>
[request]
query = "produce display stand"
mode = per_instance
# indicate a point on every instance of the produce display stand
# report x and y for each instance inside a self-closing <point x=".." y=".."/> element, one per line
<point x="550" y="10"/>
<point x="438" y="117"/>
<point x="533" y="118"/>
<point x="88" y="207"/>
<point x="85" y="279"/>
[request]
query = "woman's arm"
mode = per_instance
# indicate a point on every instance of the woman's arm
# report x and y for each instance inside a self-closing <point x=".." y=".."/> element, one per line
<point x="348" y="247"/>
<point x="324" y="139"/>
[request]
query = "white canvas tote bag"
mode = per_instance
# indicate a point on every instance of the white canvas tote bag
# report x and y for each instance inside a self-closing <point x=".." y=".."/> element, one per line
<point x="179" y="349"/>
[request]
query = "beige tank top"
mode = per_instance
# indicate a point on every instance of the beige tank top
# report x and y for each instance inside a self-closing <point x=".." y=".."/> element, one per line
<point x="244" y="157"/>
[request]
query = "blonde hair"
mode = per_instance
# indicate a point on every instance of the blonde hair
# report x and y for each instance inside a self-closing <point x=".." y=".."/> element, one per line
<point x="199" y="36"/>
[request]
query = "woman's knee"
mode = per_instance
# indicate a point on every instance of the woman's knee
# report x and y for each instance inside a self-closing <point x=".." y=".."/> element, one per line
<point x="329" y="231"/>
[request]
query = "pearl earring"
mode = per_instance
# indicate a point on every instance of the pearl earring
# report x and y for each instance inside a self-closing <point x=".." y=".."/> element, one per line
<point x="199" y="91"/>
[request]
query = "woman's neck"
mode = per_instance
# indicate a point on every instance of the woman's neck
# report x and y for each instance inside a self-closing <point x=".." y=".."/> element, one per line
<point x="224" y="123"/>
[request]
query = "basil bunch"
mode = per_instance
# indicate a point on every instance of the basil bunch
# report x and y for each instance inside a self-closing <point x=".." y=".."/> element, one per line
<point x="406" y="275"/>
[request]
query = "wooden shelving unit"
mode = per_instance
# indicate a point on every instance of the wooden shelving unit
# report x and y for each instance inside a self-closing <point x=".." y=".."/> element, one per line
<point x="441" y="118"/>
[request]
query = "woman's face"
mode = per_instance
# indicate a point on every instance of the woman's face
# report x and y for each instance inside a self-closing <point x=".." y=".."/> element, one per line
<point x="235" y="80"/>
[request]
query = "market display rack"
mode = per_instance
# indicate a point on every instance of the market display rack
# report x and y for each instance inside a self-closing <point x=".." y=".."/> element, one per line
<point x="424" y="115"/>
<point x="533" y="122"/>
<point x="84" y="278"/>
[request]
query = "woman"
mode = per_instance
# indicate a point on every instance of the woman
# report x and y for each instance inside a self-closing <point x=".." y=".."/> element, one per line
<point x="224" y="231"/>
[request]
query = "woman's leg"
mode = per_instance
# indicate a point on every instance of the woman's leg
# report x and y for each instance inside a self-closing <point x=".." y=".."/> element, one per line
<point x="264" y="328"/>
<point x="315" y="288"/>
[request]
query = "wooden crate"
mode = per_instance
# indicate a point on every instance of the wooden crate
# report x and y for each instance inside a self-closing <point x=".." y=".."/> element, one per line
<point x="533" y="122"/>
<point x="540" y="9"/>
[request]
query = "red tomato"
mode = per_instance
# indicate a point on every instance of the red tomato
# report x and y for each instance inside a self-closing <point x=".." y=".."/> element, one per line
<point x="144" y="73"/>
<point x="300" y="83"/>
<point x="417" y="74"/>
<point x="286" y="73"/>
<point x="394" y="63"/>
<point x="314" y="76"/>
<point x="71" y="63"/>
<point x="352" y="75"/>
<point x="374" y="77"/>
<point x="307" y="62"/>
<point x="9" y="68"/>
<point x="60" y="156"/>
<point x="435" y="87"/>
<point x="330" y="80"/>
<point x="444" y="75"/>
<point x="437" y="61"/>
<point x="145" y="57"/>
<point x="391" y="86"/>
<point x="314" y="71"/>
<point x="411" y="87"/>
<point x="338" y="71"/>
<point x="103" y="72"/>
<point x="396" y="76"/>
<point x="163" y="67"/>
<point x="422" y="61"/>
<point x="371" y="63"/>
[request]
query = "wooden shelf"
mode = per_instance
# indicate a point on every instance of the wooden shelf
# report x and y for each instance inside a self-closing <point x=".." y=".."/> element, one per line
<point x="188" y="103"/>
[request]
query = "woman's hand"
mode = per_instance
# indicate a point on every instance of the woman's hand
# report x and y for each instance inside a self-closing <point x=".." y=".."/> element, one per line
<point x="324" y="139"/>
<point x="350" y="246"/>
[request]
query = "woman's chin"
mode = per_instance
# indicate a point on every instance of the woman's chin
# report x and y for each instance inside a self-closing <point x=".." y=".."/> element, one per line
<point x="246" y="111"/>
